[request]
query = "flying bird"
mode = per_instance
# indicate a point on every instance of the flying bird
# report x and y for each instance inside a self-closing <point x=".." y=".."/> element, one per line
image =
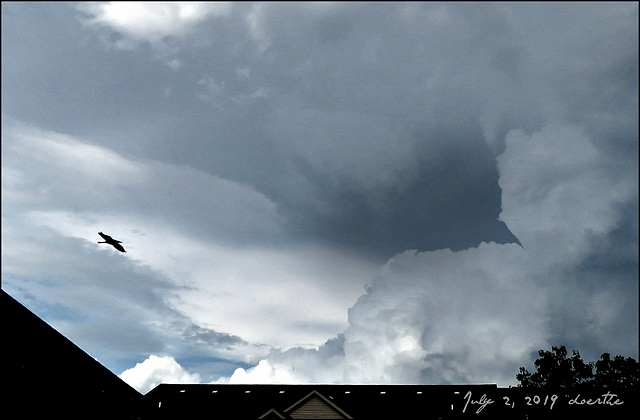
<point x="109" y="240"/>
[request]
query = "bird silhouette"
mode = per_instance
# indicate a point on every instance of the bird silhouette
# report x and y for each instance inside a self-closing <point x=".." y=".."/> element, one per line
<point x="109" y="240"/>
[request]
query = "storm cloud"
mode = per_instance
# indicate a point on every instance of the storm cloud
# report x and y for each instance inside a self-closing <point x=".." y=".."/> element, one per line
<point x="332" y="192"/>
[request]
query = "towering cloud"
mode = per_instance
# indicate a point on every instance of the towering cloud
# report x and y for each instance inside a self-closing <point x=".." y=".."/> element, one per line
<point x="475" y="315"/>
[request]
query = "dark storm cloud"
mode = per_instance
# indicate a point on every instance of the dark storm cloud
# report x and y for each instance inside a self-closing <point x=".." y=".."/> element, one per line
<point x="339" y="63"/>
<point x="449" y="199"/>
<point x="282" y="145"/>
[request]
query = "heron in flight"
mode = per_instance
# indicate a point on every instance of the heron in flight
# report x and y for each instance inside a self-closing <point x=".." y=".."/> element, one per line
<point x="109" y="240"/>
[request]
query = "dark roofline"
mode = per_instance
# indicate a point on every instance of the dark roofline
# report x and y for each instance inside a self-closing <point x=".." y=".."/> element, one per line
<point x="274" y="411"/>
<point x="27" y="336"/>
<point x="323" y="398"/>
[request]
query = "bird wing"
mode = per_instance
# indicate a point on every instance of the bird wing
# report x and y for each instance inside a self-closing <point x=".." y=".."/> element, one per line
<point x="113" y="242"/>
<point x="118" y="247"/>
<point x="105" y="237"/>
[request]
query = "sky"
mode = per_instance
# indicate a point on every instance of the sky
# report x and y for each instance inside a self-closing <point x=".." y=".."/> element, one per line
<point x="323" y="192"/>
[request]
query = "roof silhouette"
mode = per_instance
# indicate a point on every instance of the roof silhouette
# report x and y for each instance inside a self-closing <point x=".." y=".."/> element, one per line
<point x="44" y="373"/>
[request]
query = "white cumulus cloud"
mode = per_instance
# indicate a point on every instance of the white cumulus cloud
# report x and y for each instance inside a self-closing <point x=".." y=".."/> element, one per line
<point x="156" y="370"/>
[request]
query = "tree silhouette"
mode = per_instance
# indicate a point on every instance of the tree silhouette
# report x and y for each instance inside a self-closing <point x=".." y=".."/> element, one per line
<point x="620" y="372"/>
<point x="555" y="369"/>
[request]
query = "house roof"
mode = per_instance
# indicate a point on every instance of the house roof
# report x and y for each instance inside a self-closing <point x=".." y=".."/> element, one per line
<point x="272" y="414"/>
<point x="316" y="405"/>
<point x="307" y="400"/>
<point x="352" y="401"/>
<point x="43" y="372"/>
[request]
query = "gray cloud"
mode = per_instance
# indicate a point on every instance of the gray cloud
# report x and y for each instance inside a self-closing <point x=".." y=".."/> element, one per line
<point x="344" y="143"/>
<point x="292" y="149"/>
